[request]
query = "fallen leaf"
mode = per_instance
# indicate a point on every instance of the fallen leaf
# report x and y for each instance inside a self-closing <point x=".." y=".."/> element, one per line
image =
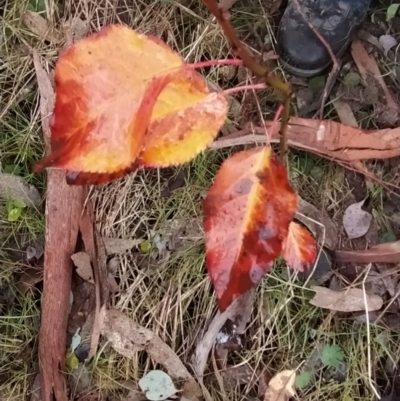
<point x="247" y="212"/>
<point x="299" y="248"/>
<point x="318" y="222"/>
<point x="349" y="300"/>
<point x="29" y="277"/>
<point x="13" y="187"/>
<point x="368" y="68"/>
<point x="239" y="311"/>
<point x="79" y="380"/>
<point x="102" y="131"/>
<point x="112" y="283"/>
<point x="345" y="113"/>
<point x="157" y="385"/>
<point x="392" y="11"/>
<point x="35" y="389"/>
<point x="83" y="266"/>
<point x="356" y="221"/>
<point x="95" y="248"/>
<point x="120" y="245"/>
<point x="40" y="26"/>
<point x="387" y="42"/>
<point x="276" y="4"/>
<point x="127" y="338"/>
<point x="281" y="386"/>
<point x="239" y="375"/>
<point x="383" y="253"/>
<point x="364" y="35"/>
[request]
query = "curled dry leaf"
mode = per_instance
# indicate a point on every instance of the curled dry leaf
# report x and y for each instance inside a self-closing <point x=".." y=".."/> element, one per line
<point x="281" y="386"/>
<point x="349" y="300"/>
<point x="14" y="187"/>
<point x="387" y="42"/>
<point x="319" y="223"/>
<point x="382" y="253"/>
<point x="369" y="69"/>
<point x="83" y="266"/>
<point x="40" y="26"/>
<point x="247" y="213"/>
<point x="356" y="221"/>
<point x="239" y="312"/>
<point x="118" y="107"/>
<point x="127" y="338"/>
<point x="119" y="245"/>
<point x="299" y="248"/>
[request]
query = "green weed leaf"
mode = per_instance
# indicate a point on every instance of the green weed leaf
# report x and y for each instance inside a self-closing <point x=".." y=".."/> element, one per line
<point x="388" y="237"/>
<point x="303" y="380"/>
<point x="392" y="11"/>
<point x="19" y="203"/>
<point x="157" y="385"/>
<point x="72" y="360"/>
<point x="332" y="355"/>
<point x="14" y="214"/>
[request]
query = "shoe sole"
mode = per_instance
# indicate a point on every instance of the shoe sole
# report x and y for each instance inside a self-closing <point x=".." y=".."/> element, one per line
<point x="312" y="73"/>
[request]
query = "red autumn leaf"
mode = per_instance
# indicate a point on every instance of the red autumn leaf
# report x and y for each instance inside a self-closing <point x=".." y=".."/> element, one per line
<point x="299" y="248"/>
<point x="121" y="95"/>
<point x="247" y="213"/>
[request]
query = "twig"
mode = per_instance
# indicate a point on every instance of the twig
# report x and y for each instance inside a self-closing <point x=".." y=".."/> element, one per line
<point x="244" y="138"/>
<point x="371" y="384"/>
<point x="336" y="66"/>
<point x="251" y="63"/>
<point x="213" y="63"/>
<point x="242" y="88"/>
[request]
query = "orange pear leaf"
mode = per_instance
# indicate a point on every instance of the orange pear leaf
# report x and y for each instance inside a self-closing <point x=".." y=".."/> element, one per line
<point x="185" y="120"/>
<point x="120" y="94"/>
<point x="299" y="248"/>
<point x="247" y="213"/>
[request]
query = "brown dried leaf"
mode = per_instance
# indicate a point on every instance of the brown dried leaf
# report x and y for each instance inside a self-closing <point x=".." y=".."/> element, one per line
<point x="119" y="245"/>
<point x="29" y="278"/>
<point x="345" y="113"/>
<point x="83" y="267"/>
<point x="310" y="216"/>
<point x="368" y="68"/>
<point x="40" y="26"/>
<point x="383" y="253"/>
<point x="239" y="312"/>
<point x="281" y="386"/>
<point x="356" y="221"/>
<point x="349" y="300"/>
<point x="14" y="187"/>
<point x="127" y="338"/>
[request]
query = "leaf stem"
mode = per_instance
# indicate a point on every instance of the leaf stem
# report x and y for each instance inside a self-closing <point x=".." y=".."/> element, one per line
<point x="212" y="63"/>
<point x="230" y="91"/>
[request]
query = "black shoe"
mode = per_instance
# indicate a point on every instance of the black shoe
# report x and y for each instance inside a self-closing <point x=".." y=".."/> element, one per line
<point x="301" y="52"/>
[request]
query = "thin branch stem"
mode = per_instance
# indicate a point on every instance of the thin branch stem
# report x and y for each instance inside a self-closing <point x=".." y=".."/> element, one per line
<point x="250" y="62"/>
<point x="242" y="88"/>
<point x="212" y="63"/>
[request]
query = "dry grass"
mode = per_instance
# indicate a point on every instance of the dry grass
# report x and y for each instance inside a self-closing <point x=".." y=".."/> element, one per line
<point x="167" y="290"/>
